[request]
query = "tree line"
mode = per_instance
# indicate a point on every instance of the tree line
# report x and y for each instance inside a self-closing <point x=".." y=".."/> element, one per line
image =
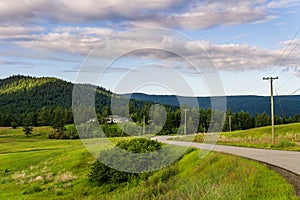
<point x="27" y="101"/>
<point x="171" y="121"/>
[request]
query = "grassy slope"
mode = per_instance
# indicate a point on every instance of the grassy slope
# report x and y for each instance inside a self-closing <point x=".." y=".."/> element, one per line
<point x="217" y="176"/>
<point x="38" y="168"/>
<point x="287" y="137"/>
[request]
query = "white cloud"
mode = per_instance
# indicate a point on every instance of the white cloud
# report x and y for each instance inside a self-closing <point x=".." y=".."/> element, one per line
<point x="283" y="3"/>
<point x="168" y="13"/>
<point x="17" y="31"/>
<point x="60" y="42"/>
<point x="233" y="57"/>
<point x="83" y="10"/>
<point x="98" y="31"/>
<point x="16" y="11"/>
<point x="31" y="25"/>
<point x="218" y="13"/>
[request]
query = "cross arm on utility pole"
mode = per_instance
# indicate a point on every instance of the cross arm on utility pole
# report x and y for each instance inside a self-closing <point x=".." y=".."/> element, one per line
<point x="270" y="78"/>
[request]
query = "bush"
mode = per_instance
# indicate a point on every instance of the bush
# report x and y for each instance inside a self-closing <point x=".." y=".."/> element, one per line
<point x="112" y="130"/>
<point x="14" y="125"/>
<point x="35" y="188"/>
<point x="69" y="133"/>
<point x="139" y="145"/>
<point x="285" y="143"/>
<point x="103" y="174"/>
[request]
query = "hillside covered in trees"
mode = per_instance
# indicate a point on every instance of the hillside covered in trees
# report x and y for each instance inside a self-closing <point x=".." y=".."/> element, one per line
<point x="28" y="101"/>
<point x="24" y="97"/>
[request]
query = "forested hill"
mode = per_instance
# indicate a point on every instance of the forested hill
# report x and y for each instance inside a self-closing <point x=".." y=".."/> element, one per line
<point x="23" y="96"/>
<point x="284" y="105"/>
<point x="27" y="94"/>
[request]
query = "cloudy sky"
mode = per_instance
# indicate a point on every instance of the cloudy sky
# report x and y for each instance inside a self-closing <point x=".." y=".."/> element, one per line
<point x="245" y="41"/>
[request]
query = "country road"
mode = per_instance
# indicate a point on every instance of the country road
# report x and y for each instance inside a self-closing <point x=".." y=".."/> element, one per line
<point x="288" y="160"/>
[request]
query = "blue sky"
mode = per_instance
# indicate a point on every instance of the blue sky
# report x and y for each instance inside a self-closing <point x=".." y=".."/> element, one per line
<point x="245" y="41"/>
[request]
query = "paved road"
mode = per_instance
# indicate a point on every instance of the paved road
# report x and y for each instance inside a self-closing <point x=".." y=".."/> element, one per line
<point x="288" y="160"/>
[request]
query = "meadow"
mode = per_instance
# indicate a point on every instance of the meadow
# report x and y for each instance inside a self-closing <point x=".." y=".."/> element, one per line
<point x="287" y="137"/>
<point x="39" y="168"/>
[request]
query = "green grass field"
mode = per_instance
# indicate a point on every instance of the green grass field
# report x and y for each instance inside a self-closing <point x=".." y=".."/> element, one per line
<point x="287" y="137"/>
<point x="39" y="168"/>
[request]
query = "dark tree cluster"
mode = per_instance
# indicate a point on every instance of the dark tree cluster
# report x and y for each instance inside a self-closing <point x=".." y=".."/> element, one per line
<point x="102" y="174"/>
<point x="24" y="99"/>
<point x="27" y="101"/>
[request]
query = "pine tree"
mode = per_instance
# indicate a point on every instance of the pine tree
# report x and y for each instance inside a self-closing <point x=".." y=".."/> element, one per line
<point x="44" y="117"/>
<point x="27" y="130"/>
<point x="58" y="120"/>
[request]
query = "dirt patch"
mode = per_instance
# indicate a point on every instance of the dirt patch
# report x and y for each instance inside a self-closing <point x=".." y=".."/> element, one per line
<point x="291" y="177"/>
<point x="21" y="175"/>
<point x="65" y="177"/>
<point x="38" y="178"/>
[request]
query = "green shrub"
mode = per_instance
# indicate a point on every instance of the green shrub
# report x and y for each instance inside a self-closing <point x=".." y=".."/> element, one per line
<point x="14" y="125"/>
<point x="285" y="143"/>
<point x="59" y="193"/>
<point x="139" y="145"/>
<point x="112" y="130"/>
<point x="35" y="188"/>
<point x="66" y="133"/>
<point x="103" y="174"/>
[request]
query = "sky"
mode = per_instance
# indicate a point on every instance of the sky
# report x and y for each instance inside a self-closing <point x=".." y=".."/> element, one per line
<point x="192" y="48"/>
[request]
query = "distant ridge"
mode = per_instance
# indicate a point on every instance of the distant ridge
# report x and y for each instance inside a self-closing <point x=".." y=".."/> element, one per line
<point x="284" y="105"/>
<point x="22" y="94"/>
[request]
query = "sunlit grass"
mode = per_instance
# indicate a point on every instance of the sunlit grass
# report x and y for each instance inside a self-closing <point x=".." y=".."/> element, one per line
<point x="217" y="176"/>
<point x="40" y="168"/>
<point x="287" y="137"/>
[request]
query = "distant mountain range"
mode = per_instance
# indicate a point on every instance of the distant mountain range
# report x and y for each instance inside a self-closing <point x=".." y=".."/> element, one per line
<point x="23" y="94"/>
<point x="283" y="105"/>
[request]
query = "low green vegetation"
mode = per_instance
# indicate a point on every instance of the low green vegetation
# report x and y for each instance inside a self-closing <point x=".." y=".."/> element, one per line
<point x="217" y="176"/>
<point x="48" y="102"/>
<point x="101" y="174"/>
<point x="287" y="137"/>
<point x="39" y="168"/>
<point x="27" y="130"/>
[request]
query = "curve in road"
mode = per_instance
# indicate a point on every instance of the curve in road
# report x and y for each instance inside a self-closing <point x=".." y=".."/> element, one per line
<point x="288" y="160"/>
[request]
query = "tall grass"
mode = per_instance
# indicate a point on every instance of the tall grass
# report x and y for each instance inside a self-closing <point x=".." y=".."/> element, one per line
<point x="217" y="176"/>
<point x="287" y="137"/>
<point x="39" y="168"/>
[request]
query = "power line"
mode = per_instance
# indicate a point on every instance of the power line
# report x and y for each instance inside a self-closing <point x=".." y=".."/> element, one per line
<point x="295" y="91"/>
<point x="279" y="102"/>
<point x="257" y="84"/>
<point x="277" y="61"/>
<point x="281" y="86"/>
<point x="285" y="83"/>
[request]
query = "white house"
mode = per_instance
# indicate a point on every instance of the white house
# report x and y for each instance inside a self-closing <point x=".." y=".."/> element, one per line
<point x="116" y="119"/>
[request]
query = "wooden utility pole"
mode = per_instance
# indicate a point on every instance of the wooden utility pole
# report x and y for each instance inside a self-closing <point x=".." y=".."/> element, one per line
<point x="144" y="125"/>
<point x="185" y="120"/>
<point x="229" y="121"/>
<point x="272" y="105"/>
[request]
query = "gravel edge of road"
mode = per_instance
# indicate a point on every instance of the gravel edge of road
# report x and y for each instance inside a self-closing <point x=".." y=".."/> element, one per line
<point x="291" y="177"/>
